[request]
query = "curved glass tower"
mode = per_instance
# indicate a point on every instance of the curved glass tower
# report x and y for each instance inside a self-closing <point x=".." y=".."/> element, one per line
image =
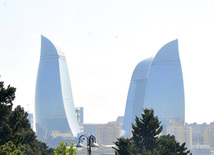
<point x="165" y="88"/>
<point x="54" y="107"/>
<point x="157" y="84"/>
<point x="136" y="94"/>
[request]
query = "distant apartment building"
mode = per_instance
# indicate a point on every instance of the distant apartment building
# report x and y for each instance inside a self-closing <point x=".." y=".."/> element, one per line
<point x="79" y="114"/>
<point x="209" y="135"/>
<point x="182" y="133"/>
<point x="107" y="134"/>
<point x="90" y="129"/>
<point x="197" y="133"/>
<point x="118" y="122"/>
<point x="201" y="150"/>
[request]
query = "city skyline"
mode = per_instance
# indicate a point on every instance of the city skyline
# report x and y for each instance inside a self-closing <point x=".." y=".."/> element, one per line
<point x="103" y="41"/>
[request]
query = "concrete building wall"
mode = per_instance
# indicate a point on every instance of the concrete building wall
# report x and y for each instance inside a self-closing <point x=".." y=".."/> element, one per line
<point x="182" y="133"/>
<point x="107" y="134"/>
<point x="209" y="135"/>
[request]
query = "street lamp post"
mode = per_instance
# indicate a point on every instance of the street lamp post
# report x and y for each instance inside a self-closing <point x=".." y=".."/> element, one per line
<point x="91" y="143"/>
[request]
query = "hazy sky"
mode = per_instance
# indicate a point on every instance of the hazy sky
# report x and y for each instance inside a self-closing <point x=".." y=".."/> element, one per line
<point x="103" y="41"/>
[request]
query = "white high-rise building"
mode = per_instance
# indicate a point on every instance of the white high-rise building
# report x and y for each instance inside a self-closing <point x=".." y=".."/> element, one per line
<point x="54" y="107"/>
<point x="158" y="84"/>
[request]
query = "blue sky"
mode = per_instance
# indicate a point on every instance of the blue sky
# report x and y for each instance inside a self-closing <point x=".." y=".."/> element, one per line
<point x="103" y="41"/>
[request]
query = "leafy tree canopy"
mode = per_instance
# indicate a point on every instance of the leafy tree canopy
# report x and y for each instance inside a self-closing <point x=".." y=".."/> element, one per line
<point x="16" y="135"/>
<point x="124" y="146"/>
<point x="146" y="130"/>
<point x="62" y="149"/>
<point x="146" y="139"/>
<point x="168" y="145"/>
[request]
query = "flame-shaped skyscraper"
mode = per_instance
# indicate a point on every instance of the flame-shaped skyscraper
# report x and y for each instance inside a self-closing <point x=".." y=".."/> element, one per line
<point x="54" y="107"/>
<point x="158" y="84"/>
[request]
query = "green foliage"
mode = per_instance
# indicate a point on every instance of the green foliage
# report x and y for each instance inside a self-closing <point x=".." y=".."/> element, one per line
<point x="146" y="139"/>
<point x="62" y="149"/>
<point x="16" y="135"/>
<point x="182" y="149"/>
<point x="9" y="149"/>
<point x="5" y="133"/>
<point x="124" y="147"/>
<point x="7" y="95"/>
<point x="44" y="149"/>
<point x="146" y="130"/>
<point x="168" y="145"/>
<point x="6" y="98"/>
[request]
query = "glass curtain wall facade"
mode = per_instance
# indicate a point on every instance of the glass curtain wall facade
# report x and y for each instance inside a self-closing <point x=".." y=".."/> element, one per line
<point x="136" y="94"/>
<point x="54" y="107"/>
<point x="162" y="89"/>
<point x="165" y="88"/>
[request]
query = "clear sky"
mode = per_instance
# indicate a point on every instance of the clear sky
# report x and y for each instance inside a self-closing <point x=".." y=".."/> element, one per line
<point x="103" y="41"/>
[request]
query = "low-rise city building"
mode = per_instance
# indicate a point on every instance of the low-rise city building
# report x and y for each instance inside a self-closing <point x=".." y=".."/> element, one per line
<point x="182" y="133"/>
<point x="209" y="135"/>
<point x="107" y="134"/>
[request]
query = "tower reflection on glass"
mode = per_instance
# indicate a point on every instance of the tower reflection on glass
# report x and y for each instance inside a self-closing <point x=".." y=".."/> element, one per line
<point x="91" y="143"/>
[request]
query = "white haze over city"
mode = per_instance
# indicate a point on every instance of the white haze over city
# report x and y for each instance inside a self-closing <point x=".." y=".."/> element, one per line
<point x="103" y="41"/>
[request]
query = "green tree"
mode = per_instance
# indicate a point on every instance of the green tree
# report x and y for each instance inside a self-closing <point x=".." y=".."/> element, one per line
<point x="15" y="131"/>
<point x="124" y="146"/>
<point x="146" y="139"/>
<point x="62" y="149"/>
<point x="44" y="149"/>
<point x="72" y="150"/>
<point x="9" y="149"/>
<point x="182" y="149"/>
<point x="146" y="130"/>
<point x="7" y="95"/>
<point x="167" y="144"/>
